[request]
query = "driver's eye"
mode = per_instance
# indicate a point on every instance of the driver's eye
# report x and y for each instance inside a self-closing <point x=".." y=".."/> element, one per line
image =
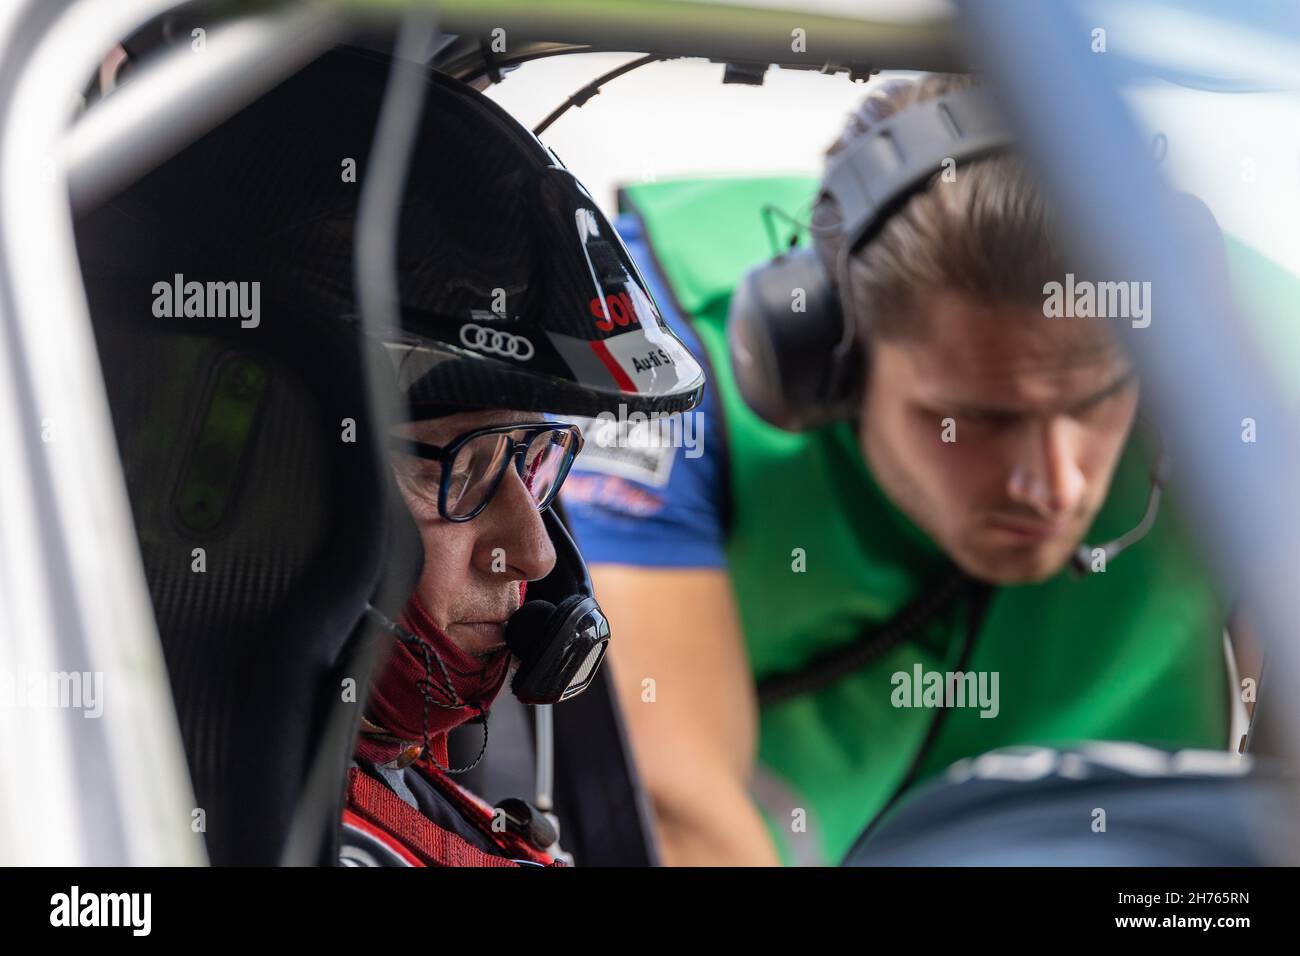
<point x="464" y="471"/>
<point x="419" y="474"/>
<point x="474" y="457"/>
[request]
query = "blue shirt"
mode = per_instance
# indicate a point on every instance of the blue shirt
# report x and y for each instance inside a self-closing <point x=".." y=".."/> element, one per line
<point x="645" y="502"/>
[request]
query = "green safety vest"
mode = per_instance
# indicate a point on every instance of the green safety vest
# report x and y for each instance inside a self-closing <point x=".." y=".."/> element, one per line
<point x="816" y="554"/>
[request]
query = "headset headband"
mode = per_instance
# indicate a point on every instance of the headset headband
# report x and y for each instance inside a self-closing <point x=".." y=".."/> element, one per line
<point x="800" y="370"/>
<point x="873" y="176"/>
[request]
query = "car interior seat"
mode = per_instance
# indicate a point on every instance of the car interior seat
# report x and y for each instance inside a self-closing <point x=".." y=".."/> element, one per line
<point x="266" y="523"/>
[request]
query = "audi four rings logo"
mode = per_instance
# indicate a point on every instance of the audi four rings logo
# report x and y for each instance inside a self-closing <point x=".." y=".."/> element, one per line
<point x="482" y="339"/>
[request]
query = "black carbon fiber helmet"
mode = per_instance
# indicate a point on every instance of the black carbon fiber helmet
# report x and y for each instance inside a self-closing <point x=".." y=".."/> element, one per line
<point x="515" y="291"/>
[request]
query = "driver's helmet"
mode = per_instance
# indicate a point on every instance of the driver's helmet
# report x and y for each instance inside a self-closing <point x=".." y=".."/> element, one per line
<point x="515" y="292"/>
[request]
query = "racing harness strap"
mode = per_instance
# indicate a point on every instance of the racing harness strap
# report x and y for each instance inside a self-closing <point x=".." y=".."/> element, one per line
<point x="380" y="813"/>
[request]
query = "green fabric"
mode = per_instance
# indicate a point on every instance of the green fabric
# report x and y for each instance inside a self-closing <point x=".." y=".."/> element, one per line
<point x="1134" y="653"/>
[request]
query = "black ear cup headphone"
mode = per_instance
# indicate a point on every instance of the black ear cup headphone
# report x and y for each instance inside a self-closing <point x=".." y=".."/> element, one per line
<point x="801" y="369"/>
<point x="560" y="634"/>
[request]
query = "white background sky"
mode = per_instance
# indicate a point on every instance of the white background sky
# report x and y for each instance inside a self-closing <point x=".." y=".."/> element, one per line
<point x="1240" y="152"/>
<point x="677" y="118"/>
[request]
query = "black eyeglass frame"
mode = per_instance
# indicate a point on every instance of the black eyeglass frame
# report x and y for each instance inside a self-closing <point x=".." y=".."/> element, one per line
<point x="445" y="455"/>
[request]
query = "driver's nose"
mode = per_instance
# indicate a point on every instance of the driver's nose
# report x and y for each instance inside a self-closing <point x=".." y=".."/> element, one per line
<point x="512" y="531"/>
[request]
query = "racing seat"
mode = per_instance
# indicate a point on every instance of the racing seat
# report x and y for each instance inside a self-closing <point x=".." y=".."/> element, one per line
<point x="266" y="525"/>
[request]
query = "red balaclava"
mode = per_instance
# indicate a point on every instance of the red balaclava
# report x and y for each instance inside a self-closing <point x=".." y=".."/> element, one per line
<point x="396" y="702"/>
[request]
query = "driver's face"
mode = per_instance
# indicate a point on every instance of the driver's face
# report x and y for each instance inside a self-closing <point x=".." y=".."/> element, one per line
<point x="469" y="586"/>
<point x="1040" y="408"/>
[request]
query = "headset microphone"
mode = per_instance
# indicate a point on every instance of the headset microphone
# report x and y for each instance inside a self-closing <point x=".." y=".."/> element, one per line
<point x="1082" y="559"/>
<point x="560" y="634"/>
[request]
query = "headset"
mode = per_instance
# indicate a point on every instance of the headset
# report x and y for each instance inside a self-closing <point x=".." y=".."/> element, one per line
<point x="560" y="634"/>
<point x="800" y="370"/>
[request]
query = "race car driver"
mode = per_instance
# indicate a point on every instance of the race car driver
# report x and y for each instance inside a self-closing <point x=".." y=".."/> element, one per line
<point x="504" y="259"/>
<point x="501" y="258"/>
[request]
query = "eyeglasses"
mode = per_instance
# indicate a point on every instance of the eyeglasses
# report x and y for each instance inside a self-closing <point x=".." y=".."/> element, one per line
<point x="469" y="469"/>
